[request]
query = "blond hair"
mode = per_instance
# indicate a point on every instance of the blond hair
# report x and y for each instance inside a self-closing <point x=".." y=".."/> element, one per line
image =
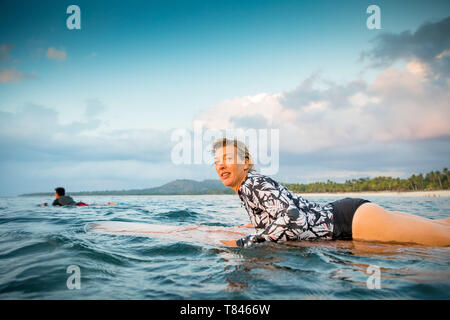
<point x="242" y="150"/>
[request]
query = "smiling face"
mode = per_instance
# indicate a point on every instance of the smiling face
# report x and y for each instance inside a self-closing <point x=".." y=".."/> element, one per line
<point x="231" y="168"/>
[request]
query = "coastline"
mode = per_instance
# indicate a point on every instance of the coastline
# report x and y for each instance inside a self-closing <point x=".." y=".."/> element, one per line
<point x="428" y="194"/>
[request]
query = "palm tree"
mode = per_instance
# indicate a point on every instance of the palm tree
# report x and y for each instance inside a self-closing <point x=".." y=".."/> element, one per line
<point x="438" y="174"/>
<point x="446" y="175"/>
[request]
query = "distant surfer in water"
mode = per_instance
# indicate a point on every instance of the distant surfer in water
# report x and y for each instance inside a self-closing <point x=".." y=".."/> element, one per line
<point x="62" y="200"/>
<point x="279" y="215"/>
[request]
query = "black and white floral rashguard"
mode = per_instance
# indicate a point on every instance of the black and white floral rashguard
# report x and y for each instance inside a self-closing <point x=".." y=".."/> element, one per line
<point x="279" y="215"/>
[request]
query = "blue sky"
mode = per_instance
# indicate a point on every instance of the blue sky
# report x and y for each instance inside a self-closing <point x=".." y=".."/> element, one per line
<point x="94" y="108"/>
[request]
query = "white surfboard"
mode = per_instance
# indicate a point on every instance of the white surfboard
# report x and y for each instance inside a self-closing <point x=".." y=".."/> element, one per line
<point x="203" y="234"/>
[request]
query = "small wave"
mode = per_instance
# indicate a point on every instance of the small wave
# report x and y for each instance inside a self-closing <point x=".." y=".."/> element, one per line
<point x="178" y="215"/>
<point x="26" y="249"/>
<point x="173" y="249"/>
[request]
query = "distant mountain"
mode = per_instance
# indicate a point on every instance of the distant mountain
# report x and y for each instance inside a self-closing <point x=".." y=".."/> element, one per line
<point x="177" y="187"/>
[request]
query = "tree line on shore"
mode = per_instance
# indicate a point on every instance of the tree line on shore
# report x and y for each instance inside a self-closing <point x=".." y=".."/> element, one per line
<point x="434" y="180"/>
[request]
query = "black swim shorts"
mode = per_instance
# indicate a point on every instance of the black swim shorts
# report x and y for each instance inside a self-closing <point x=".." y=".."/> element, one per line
<point x="343" y="212"/>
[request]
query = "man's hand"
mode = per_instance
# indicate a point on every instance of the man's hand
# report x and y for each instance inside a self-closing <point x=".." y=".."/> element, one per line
<point x="230" y="243"/>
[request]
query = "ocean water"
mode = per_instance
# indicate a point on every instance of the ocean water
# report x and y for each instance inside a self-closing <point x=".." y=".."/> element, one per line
<point x="38" y="244"/>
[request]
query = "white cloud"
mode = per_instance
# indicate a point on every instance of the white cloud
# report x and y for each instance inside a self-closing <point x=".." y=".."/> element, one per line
<point x="361" y="99"/>
<point x="221" y="115"/>
<point x="12" y="75"/>
<point x="430" y="43"/>
<point x="34" y="132"/>
<point x="54" y="54"/>
<point x="400" y="104"/>
<point x="443" y="54"/>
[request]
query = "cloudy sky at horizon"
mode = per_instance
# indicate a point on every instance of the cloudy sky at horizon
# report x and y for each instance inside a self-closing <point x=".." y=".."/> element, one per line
<point x="95" y="109"/>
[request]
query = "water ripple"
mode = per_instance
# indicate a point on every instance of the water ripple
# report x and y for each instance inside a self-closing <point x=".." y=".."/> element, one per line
<point x="38" y="244"/>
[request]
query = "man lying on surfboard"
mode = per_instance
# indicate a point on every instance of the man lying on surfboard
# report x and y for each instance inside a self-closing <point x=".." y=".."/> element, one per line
<point x="62" y="200"/>
<point x="279" y="215"/>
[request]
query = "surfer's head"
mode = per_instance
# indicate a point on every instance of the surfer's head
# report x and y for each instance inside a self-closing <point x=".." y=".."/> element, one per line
<point x="59" y="192"/>
<point x="233" y="161"/>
